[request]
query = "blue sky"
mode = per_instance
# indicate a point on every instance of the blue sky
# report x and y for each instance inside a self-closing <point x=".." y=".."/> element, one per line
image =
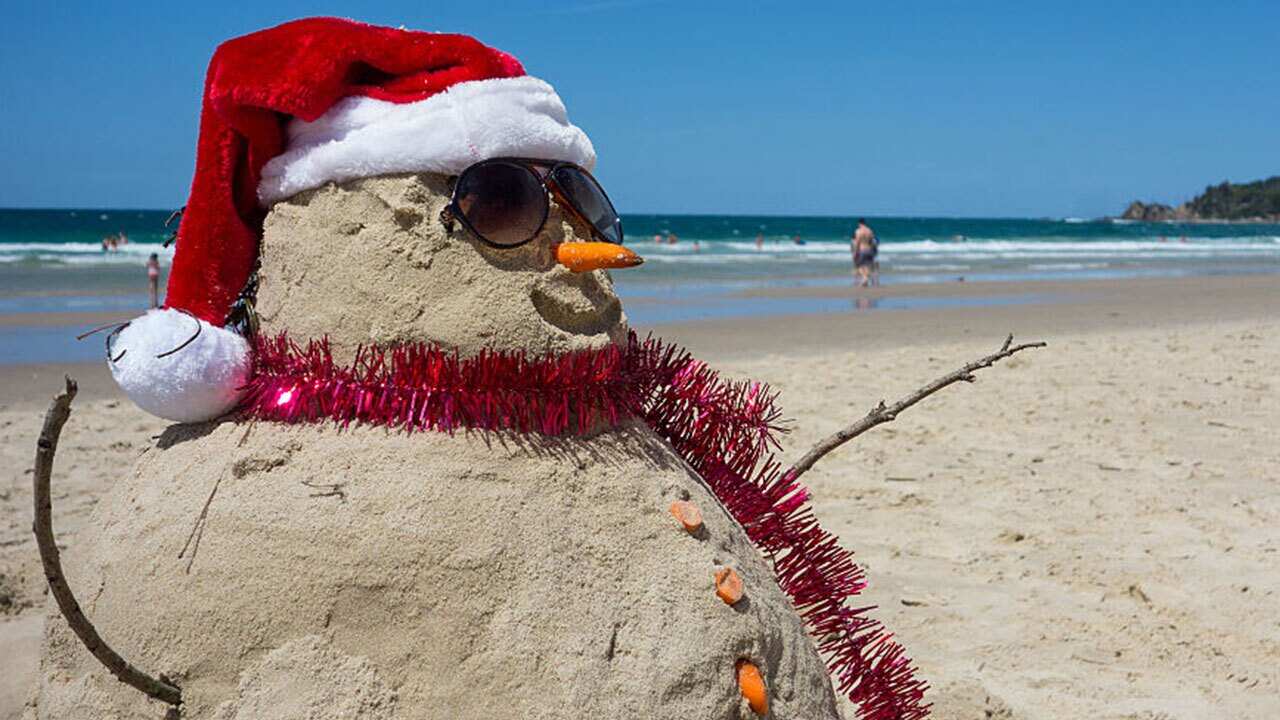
<point x="947" y="109"/>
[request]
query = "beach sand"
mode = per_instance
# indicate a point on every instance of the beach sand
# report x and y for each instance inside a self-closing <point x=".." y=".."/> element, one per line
<point x="1090" y="530"/>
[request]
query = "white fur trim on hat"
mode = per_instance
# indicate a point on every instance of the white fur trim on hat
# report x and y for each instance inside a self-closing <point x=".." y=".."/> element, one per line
<point x="445" y="133"/>
<point x="198" y="382"/>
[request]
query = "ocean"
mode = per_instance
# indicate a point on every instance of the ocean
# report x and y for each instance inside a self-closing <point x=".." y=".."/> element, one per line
<point x="945" y="249"/>
<point x="53" y="261"/>
<point x="722" y="248"/>
<point x="53" y="267"/>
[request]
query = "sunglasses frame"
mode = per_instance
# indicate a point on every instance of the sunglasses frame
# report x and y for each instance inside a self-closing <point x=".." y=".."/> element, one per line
<point x="551" y="191"/>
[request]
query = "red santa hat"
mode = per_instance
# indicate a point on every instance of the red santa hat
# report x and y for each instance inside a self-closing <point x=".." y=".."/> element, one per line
<point x="291" y="108"/>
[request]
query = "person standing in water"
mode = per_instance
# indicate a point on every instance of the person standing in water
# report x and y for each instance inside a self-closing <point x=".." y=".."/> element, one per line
<point x="153" y="279"/>
<point x="865" y="247"/>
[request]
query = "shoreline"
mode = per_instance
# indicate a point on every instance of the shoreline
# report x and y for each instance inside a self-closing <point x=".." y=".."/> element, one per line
<point x="942" y="312"/>
<point x="1079" y="307"/>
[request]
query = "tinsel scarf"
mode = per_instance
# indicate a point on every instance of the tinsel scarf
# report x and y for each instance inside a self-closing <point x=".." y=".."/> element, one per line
<point x="727" y="431"/>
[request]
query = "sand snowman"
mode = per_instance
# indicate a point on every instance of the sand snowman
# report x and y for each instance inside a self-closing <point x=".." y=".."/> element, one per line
<point x="438" y="477"/>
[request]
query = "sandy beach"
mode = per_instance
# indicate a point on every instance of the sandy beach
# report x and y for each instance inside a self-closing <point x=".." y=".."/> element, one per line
<point x="1090" y="530"/>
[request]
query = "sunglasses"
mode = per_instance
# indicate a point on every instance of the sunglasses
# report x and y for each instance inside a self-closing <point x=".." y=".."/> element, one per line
<point x="506" y="201"/>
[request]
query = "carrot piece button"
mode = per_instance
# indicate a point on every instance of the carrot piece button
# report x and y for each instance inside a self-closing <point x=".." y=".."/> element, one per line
<point x="751" y="685"/>
<point x="688" y="514"/>
<point x="728" y="585"/>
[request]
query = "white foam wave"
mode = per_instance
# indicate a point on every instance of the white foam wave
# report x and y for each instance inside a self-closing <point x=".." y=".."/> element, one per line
<point x="987" y="246"/>
<point x="982" y="248"/>
<point x="906" y="255"/>
<point x="72" y="253"/>
<point x="723" y="258"/>
<point x="81" y="248"/>
<point x="1068" y="266"/>
<point x="925" y="266"/>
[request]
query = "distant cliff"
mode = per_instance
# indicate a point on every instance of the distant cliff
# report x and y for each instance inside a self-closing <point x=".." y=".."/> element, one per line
<point x="1257" y="201"/>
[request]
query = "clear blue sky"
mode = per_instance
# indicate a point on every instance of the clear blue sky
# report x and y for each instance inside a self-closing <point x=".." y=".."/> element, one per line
<point x="886" y="108"/>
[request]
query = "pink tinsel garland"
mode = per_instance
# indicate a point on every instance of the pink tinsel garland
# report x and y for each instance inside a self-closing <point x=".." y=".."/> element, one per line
<point x="724" y="430"/>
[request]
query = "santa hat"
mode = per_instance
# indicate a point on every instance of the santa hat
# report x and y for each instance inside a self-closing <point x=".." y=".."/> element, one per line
<point x="294" y="107"/>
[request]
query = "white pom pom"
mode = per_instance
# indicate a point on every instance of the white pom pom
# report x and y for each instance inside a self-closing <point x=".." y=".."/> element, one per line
<point x="200" y="381"/>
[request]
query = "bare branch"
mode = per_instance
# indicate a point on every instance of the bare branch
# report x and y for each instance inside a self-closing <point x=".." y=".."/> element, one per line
<point x="46" y="446"/>
<point x="882" y="413"/>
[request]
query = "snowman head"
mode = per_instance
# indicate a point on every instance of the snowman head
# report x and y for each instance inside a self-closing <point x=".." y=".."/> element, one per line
<point x="385" y="261"/>
<point x="328" y="168"/>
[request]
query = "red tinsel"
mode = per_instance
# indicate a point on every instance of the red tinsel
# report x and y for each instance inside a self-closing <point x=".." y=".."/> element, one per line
<point x="725" y="430"/>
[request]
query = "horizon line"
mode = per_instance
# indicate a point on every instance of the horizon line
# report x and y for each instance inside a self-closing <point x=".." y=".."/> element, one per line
<point x="822" y="216"/>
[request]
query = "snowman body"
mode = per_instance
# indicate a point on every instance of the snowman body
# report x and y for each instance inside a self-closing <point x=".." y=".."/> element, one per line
<point x="306" y="571"/>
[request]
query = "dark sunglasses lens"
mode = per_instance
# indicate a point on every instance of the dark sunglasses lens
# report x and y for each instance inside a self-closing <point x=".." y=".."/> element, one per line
<point x="503" y="202"/>
<point x="584" y="192"/>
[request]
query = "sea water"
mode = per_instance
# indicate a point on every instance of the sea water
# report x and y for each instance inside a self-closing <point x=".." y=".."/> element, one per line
<point x="57" y="255"/>
<point x="945" y="249"/>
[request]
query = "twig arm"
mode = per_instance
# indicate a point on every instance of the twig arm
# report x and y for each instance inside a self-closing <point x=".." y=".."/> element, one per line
<point x="42" y="526"/>
<point x="882" y="413"/>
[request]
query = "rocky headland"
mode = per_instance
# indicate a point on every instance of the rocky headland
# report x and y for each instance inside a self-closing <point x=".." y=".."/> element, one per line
<point x="1257" y="201"/>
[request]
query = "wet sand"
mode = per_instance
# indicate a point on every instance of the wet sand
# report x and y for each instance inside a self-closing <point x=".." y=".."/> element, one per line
<point x="1058" y="309"/>
<point x="1090" y="530"/>
<point x="1055" y="308"/>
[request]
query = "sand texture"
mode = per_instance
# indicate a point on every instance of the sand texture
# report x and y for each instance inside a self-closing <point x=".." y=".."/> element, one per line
<point x="368" y="573"/>
<point x="103" y="439"/>
<point x="370" y="262"/>
<point x="308" y="572"/>
<point x="1090" y="531"/>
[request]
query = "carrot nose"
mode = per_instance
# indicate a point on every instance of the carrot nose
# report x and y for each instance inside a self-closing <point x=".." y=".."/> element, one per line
<point x="587" y="256"/>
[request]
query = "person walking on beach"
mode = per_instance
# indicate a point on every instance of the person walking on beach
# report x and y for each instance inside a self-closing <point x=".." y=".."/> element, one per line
<point x="865" y="247"/>
<point x="153" y="279"/>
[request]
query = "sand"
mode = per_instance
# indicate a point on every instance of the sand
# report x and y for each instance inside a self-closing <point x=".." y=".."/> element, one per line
<point x="397" y="275"/>
<point x="311" y="572"/>
<point x="1089" y="531"/>
<point x="339" y="574"/>
<point x="1039" y="309"/>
